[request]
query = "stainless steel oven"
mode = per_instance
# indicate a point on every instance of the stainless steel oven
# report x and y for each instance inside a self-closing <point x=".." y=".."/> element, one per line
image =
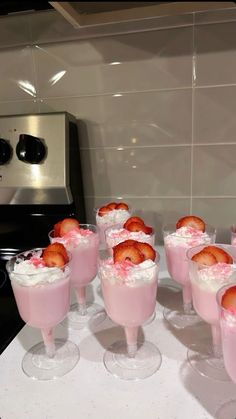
<point x="40" y="183"/>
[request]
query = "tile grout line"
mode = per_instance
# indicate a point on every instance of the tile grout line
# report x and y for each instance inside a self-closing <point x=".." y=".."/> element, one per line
<point x="161" y="197"/>
<point x="192" y="128"/>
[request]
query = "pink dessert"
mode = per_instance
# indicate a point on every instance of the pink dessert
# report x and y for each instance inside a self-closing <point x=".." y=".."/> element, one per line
<point x="129" y="289"/>
<point x="226" y="298"/>
<point x="205" y="283"/>
<point x="42" y="293"/>
<point x="177" y="242"/>
<point x="109" y="215"/>
<point x="82" y="242"/>
<point x="116" y="235"/>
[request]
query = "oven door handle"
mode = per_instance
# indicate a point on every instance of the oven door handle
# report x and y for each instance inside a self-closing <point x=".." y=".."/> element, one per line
<point x="2" y="282"/>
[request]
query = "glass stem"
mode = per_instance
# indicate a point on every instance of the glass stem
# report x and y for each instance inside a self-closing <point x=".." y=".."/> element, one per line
<point x="216" y="340"/>
<point x="49" y="343"/>
<point x="81" y="300"/>
<point x="131" y="334"/>
<point x="187" y="298"/>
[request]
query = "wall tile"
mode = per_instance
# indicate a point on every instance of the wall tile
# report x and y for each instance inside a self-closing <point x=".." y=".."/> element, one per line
<point x="14" y="30"/>
<point x="214" y="16"/>
<point x="214" y="115"/>
<point x="214" y="170"/>
<point x="16" y="74"/>
<point x="163" y="171"/>
<point x="215" y="54"/>
<point x="155" y="211"/>
<point x="219" y="212"/>
<point x="139" y="119"/>
<point x="19" y="107"/>
<point x="50" y="26"/>
<point x="165" y="56"/>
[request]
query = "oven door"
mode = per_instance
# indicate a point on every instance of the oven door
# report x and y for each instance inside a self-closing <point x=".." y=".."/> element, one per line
<point x="10" y="321"/>
<point x="21" y="228"/>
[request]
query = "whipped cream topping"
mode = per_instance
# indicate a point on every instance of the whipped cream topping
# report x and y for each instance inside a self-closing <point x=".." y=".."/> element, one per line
<point x="187" y="237"/>
<point x="116" y="236"/>
<point x="116" y="216"/>
<point x="126" y="273"/>
<point x="74" y="238"/>
<point x="31" y="272"/>
<point x="215" y="276"/>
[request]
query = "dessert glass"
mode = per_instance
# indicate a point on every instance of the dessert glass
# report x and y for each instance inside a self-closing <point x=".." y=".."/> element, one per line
<point x="117" y="234"/>
<point x="233" y="234"/>
<point x="129" y="303"/>
<point x="108" y="220"/>
<point x="176" y="248"/>
<point x="113" y="237"/>
<point x="228" y="338"/>
<point x="43" y="302"/>
<point x="205" y="356"/>
<point x="84" y="266"/>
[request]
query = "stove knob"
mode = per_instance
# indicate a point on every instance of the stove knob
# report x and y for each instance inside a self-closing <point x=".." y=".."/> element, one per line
<point x="5" y="151"/>
<point x="30" y="149"/>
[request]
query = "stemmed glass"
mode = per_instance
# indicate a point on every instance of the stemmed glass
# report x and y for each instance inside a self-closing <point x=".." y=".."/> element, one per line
<point x="112" y="239"/>
<point x="84" y="266"/>
<point x="176" y="247"/>
<point x="129" y="305"/>
<point x="205" y="357"/>
<point x="42" y="300"/>
<point x="233" y="234"/>
<point x="228" y="337"/>
<point x="108" y="220"/>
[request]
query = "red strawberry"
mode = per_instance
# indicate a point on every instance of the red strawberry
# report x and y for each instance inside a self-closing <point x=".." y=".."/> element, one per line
<point x="127" y="253"/>
<point x="148" y="230"/>
<point x="228" y="300"/>
<point x="67" y="225"/>
<point x="133" y="220"/>
<point x="57" y="228"/>
<point x="220" y="254"/>
<point x="112" y="205"/>
<point x="122" y="206"/>
<point x="103" y="211"/>
<point x="204" y="258"/>
<point x="58" y="247"/>
<point x="53" y="259"/>
<point x="135" y="227"/>
<point x="147" y="250"/>
<point x="191" y="221"/>
<point x="125" y="243"/>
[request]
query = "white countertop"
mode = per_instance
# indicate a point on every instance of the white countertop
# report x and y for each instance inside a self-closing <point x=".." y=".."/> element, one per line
<point x="175" y="391"/>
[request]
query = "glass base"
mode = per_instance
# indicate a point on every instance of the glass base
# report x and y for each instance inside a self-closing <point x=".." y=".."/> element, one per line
<point x="202" y="360"/>
<point x="144" y="364"/>
<point x="179" y="319"/>
<point x="226" y="411"/>
<point x="95" y="314"/>
<point x="37" y="365"/>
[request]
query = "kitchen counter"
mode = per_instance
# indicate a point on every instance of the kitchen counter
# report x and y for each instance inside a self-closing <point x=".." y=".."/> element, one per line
<point x="175" y="391"/>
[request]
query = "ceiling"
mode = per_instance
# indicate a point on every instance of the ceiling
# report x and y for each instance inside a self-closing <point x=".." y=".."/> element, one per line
<point x="86" y="13"/>
<point x="8" y="7"/>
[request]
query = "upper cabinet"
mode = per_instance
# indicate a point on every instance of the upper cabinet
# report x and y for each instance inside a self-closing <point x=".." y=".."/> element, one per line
<point x="82" y="14"/>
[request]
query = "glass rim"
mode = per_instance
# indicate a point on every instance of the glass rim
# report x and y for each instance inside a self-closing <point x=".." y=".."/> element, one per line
<point x="165" y="229"/>
<point x="96" y="209"/>
<point x="219" y="291"/>
<point x="122" y="228"/>
<point x="109" y="256"/>
<point x="221" y="245"/>
<point x="85" y="224"/>
<point x="52" y="269"/>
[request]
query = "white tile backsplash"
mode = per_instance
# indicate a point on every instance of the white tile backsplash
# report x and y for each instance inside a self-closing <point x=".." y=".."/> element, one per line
<point x="141" y="118"/>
